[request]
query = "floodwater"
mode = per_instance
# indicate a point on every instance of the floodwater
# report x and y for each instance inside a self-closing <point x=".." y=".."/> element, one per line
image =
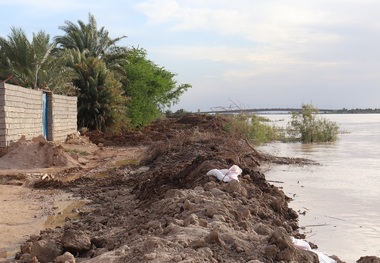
<point x="341" y="196"/>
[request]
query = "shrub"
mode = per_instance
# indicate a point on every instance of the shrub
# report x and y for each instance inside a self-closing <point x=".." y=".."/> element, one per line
<point x="307" y="128"/>
<point x="252" y="128"/>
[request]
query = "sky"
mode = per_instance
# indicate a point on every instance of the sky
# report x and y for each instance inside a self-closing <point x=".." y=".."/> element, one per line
<point x="237" y="54"/>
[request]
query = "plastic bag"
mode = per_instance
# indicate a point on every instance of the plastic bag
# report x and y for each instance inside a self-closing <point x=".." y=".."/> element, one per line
<point x="301" y="243"/>
<point x="226" y="175"/>
<point x="304" y="245"/>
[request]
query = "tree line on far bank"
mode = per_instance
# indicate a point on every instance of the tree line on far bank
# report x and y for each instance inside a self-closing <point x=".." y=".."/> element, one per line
<point x="357" y="110"/>
<point x="117" y="87"/>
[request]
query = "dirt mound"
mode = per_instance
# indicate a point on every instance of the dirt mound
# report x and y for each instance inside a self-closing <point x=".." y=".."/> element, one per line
<point x="162" y="130"/>
<point x="166" y="209"/>
<point x="36" y="153"/>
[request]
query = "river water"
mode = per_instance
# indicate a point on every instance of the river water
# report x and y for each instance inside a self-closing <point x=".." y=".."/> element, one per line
<point x="341" y="196"/>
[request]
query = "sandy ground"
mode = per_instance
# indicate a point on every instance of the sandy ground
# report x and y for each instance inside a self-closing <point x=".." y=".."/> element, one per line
<point x="25" y="212"/>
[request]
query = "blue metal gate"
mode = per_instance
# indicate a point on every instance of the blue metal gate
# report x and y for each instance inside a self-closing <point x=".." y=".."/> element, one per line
<point x="44" y="116"/>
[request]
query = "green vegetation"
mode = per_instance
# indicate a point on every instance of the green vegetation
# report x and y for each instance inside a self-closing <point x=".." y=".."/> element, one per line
<point x="31" y="64"/>
<point x="117" y="87"/>
<point x="177" y="113"/>
<point x="100" y="101"/>
<point x="253" y="128"/>
<point x="150" y="88"/>
<point x="307" y="128"/>
<point x="357" y="110"/>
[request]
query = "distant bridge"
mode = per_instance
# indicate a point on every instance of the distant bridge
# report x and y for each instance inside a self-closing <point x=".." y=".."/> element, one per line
<point x="264" y="110"/>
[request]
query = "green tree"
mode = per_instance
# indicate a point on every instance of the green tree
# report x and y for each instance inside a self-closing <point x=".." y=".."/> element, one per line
<point x="30" y="63"/>
<point x="57" y="76"/>
<point x="150" y="88"/>
<point x="307" y="128"/>
<point x="100" y="101"/>
<point x="99" y="65"/>
<point x="86" y="62"/>
<point x="93" y="42"/>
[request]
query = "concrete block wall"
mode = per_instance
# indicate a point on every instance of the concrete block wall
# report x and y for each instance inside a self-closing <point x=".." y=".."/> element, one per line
<point x="2" y="118"/>
<point x="20" y="113"/>
<point x="62" y="117"/>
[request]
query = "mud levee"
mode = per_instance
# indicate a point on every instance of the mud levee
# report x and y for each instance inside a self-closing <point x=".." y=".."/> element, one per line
<point x="163" y="207"/>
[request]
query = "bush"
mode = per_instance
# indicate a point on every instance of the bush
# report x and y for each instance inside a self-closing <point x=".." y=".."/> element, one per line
<point x="307" y="128"/>
<point x="252" y="128"/>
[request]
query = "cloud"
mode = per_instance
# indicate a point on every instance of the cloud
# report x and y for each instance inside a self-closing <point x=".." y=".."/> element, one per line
<point x="255" y="21"/>
<point x="213" y="53"/>
<point x="265" y="56"/>
<point x="159" y="11"/>
<point x="264" y="22"/>
<point x="225" y="47"/>
<point x="44" y="4"/>
<point x="273" y="32"/>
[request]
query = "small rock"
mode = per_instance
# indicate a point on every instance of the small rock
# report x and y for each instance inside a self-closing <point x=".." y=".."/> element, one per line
<point x="150" y="256"/>
<point x="76" y="241"/>
<point x="191" y="220"/>
<point x="65" y="258"/>
<point x="369" y="259"/>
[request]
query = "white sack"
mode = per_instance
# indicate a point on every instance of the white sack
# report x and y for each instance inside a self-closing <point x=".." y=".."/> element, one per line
<point x="304" y="245"/>
<point x="226" y="175"/>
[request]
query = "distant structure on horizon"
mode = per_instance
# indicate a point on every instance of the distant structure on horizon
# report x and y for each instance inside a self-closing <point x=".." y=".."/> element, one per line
<point x="289" y="110"/>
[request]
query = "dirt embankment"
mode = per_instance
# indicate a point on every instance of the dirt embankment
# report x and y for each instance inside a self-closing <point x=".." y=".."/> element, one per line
<point x="162" y="207"/>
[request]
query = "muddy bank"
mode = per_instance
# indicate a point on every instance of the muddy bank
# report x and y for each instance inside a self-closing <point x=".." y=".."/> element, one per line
<point x="162" y="207"/>
<point x="26" y="211"/>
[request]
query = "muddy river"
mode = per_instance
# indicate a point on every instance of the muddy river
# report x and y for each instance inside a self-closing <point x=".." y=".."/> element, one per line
<point x="338" y="200"/>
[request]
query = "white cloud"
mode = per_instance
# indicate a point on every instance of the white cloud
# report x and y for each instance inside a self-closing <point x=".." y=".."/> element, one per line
<point x="44" y="4"/>
<point x="229" y="54"/>
<point x="160" y="11"/>
<point x="219" y="44"/>
<point x="264" y="21"/>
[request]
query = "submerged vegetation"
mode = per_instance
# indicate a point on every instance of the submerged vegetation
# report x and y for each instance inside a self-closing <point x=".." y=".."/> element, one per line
<point x="305" y="127"/>
<point x="254" y="128"/>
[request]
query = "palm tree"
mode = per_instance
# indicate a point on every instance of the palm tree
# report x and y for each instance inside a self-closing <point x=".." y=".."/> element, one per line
<point x="95" y="42"/>
<point x="20" y="59"/>
<point x="100" y="101"/>
<point x="30" y="64"/>
<point x="57" y="75"/>
<point x="99" y="65"/>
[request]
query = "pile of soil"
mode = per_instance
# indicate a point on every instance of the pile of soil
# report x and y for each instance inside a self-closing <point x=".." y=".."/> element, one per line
<point x="165" y="208"/>
<point x="36" y="153"/>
